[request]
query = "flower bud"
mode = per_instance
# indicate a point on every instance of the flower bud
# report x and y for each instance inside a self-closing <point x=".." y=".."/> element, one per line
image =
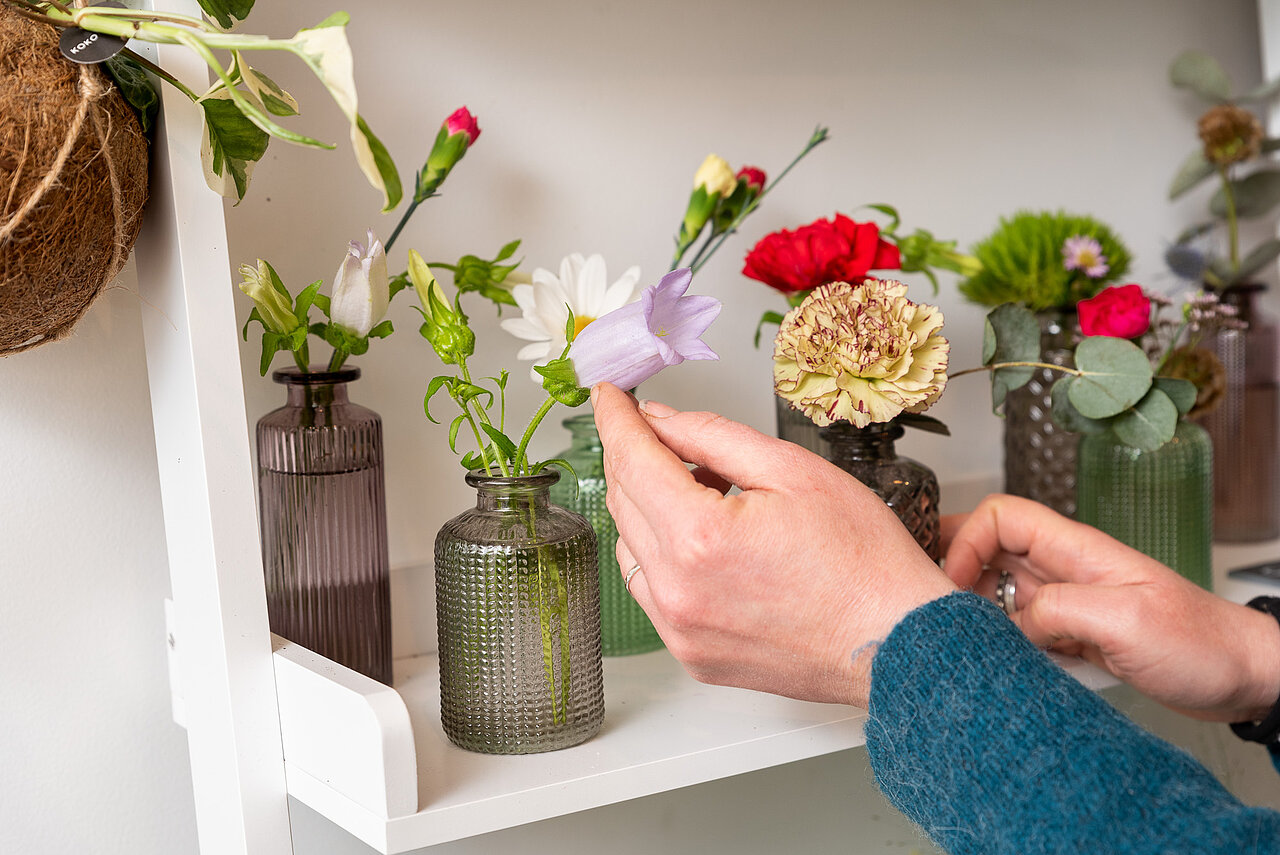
<point x="263" y="286"/>
<point x="753" y="177"/>
<point x="445" y="328"/>
<point x="715" y="176"/>
<point x="455" y="136"/>
<point x="361" y="289"/>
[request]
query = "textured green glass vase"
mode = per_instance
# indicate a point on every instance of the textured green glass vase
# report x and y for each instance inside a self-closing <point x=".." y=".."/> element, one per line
<point x="1159" y="502"/>
<point x="624" y="627"/>
<point x="518" y="615"/>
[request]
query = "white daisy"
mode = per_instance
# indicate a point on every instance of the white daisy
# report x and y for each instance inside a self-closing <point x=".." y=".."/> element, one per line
<point x="581" y="286"/>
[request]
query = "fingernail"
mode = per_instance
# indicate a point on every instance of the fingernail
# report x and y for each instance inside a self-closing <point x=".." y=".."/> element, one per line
<point x="595" y="392"/>
<point x="656" y="409"/>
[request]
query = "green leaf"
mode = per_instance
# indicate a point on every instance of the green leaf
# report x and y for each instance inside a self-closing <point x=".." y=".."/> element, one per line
<point x="1261" y="255"/>
<point x="382" y="330"/>
<point x="774" y="318"/>
<point x="1181" y="392"/>
<point x="1202" y="74"/>
<point x="1065" y="415"/>
<point x="398" y="284"/>
<point x="432" y="388"/>
<point x="1115" y="375"/>
<point x="501" y="440"/>
<point x="559" y="463"/>
<point x="561" y="382"/>
<point x="227" y="12"/>
<point x="136" y="88"/>
<point x="232" y="145"/>
<point x="302" y="308"/>
<point x="923" y="422"/>
<point x="472" y="460"/>
<point x="1193" y="170"/>
<point x="453" y="432"/>
<point x="508" y="250"/>
<point x="1256" y="195"/>
<point x="1148" y="425"/>
<point x="890" y="212"/>
<point x="1262" y="93"/>
<point x="274" y="99"/>
<point x="1011" y="333"/>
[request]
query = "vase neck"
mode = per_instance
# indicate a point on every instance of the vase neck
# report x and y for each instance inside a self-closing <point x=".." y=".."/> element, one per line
<point x="1245" y="300"/>
<point x="873" y="442"/>
<point x="316" y="388"/>
<point x="518" y="492"/>
<point x="582" y="428"/>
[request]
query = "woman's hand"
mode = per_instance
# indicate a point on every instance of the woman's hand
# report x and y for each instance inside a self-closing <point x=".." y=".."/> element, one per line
<point x="1081" y="592"/>
<point x="772" y="588"/>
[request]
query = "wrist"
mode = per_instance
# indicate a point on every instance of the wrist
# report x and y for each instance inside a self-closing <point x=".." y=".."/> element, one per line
<point x="1260" y="689"/>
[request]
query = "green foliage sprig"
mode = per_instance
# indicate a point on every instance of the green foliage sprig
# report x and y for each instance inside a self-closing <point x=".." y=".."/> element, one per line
<point x="1022" y="261"/>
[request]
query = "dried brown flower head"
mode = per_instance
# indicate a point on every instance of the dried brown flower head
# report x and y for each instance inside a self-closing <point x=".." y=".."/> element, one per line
<point x="1203" y="368"/>
<point x="1230" y="134"/>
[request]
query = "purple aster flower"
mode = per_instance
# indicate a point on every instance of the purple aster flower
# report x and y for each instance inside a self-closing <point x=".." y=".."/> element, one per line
<point x="1084" y="253"/>
<point x="629" y="345"/>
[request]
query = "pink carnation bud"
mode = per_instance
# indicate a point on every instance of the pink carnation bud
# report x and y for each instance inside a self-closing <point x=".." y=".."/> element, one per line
<point x="754" y="176"/>
<point x="461" y="121"/>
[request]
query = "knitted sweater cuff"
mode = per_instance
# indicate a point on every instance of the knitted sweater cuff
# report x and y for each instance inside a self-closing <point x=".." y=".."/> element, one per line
<point x="991" y="747"/>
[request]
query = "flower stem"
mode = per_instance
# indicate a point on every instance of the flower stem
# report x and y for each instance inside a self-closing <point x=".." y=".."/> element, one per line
<point x="339" y="357"/>
<point x="1065" y="370"/>
<point x="301" y="358"/>
<point x="1233" y="223"/>
<point x="404" y="218"/>
<point x="484" y="419"/>
<point x="161" y="73"/>
<point x="521" y="452"/>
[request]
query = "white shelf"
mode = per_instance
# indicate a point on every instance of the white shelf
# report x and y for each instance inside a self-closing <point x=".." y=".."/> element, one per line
<point x="663" y="730"/>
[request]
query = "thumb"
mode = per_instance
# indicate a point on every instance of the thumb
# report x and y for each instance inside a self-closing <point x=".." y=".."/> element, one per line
<point x="1095" y="615"/>
<point x="736" y="452"/>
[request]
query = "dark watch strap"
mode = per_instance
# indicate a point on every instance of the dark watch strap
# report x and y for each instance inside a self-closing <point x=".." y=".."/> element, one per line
<point x="1266" y="731"/>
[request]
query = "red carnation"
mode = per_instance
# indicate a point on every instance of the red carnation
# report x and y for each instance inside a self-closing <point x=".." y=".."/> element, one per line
<point x="1121" y="311"/>
<point x="837" y="250"/>
<point x="754" y="176"/>
<point x="461" y="121"/>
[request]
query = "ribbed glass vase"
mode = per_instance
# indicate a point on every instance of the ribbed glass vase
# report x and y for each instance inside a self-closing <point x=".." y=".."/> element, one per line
<point x="908" y="487"/>
<point x="1039" y="456"/>
<point x="322" y="507"/>
<point x="624" y="627"/>
<point x="795" y="426"/>
<point x="1159" y="502"/>
<point x="518" y="617"/>
<point x="1245" y="425"/>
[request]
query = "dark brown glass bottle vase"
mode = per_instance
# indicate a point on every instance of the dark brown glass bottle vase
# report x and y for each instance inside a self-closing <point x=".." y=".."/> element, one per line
<point x="908" y="487"/>
<point x="322" y="506"/>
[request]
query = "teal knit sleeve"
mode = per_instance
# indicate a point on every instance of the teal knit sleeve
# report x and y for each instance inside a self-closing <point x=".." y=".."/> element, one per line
<point x="993" y="749"/>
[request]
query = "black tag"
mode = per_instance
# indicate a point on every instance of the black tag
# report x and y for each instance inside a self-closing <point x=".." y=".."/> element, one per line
<point x="89" y="48"/>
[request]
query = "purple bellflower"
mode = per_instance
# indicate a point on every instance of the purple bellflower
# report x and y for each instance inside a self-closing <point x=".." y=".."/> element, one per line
<point x="629" y="345"/>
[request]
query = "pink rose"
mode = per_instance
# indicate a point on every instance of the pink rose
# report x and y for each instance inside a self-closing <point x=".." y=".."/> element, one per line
<point x="1121" y="311"/>
<point x="461" y="121"/>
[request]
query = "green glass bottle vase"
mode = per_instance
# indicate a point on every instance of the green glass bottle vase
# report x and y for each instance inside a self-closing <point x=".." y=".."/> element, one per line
<point x="1159" y="502"/>
<point x="518" y="617"/>
<point x="624" y="627"/>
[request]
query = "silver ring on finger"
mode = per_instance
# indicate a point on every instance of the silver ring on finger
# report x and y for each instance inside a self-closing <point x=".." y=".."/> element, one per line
<point x="631" y="574"/>
<point x="1006" y="588"/>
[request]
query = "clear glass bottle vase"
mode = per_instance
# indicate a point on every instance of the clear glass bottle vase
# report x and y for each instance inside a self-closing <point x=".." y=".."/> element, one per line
<point x="624" y="627"/>
<point x="518" y="618"/>
<point x="908" y="487"/>
<point x="1159" y="502"/>
<point x="1039" y="456"/>
<point x="322" y="508"/>
<point x="1245" y="424"/>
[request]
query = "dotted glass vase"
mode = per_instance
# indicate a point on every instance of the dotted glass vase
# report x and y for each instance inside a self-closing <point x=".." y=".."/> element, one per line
<point x="322" y="508"/>
<point x="909" y="488"/>
<point x="1159" y="502"/>
<point x="1039" y="456"/>
<point x="624" y="627"/>
<point x="518" y="617"/>
<point x="1245" y="425"/>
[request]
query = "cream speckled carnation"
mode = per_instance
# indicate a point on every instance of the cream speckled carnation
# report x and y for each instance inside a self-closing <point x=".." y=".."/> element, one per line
<point x="860" y="353"/>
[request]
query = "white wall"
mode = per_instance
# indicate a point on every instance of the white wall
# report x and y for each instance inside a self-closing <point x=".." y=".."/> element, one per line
<point x="594" y="116"/>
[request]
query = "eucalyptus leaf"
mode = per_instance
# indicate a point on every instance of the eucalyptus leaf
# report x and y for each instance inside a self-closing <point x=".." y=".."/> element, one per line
<point x="1149" y="424"/>
<point x="1181" y="392"/>
<point x="1011" y="334"/>
<point x="1202" y="74"/>
<point x="1114" y="375"/>
<point x="1193" y="170"/>
<point x="923" y="422"/>
<point x="1255" y="195"/>
<point x="1262" y="93"/>
<point x="1065" y="415"/>
<point x="1259" y="257"/>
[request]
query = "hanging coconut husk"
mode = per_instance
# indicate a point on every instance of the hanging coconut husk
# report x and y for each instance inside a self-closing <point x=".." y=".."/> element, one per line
<point x="73" y="181"/>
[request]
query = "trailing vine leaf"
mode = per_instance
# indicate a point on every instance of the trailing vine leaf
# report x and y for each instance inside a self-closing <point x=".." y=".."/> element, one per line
<point x="226" y="12"/>
<point x="136" y="88"/>
<point x="1149" y="424"/>
<point x="232" y="145"/>
<point x="1114" y="375"/>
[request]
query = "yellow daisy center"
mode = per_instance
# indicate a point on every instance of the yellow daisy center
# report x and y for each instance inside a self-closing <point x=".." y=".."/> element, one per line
<point x="580" y="323"/>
